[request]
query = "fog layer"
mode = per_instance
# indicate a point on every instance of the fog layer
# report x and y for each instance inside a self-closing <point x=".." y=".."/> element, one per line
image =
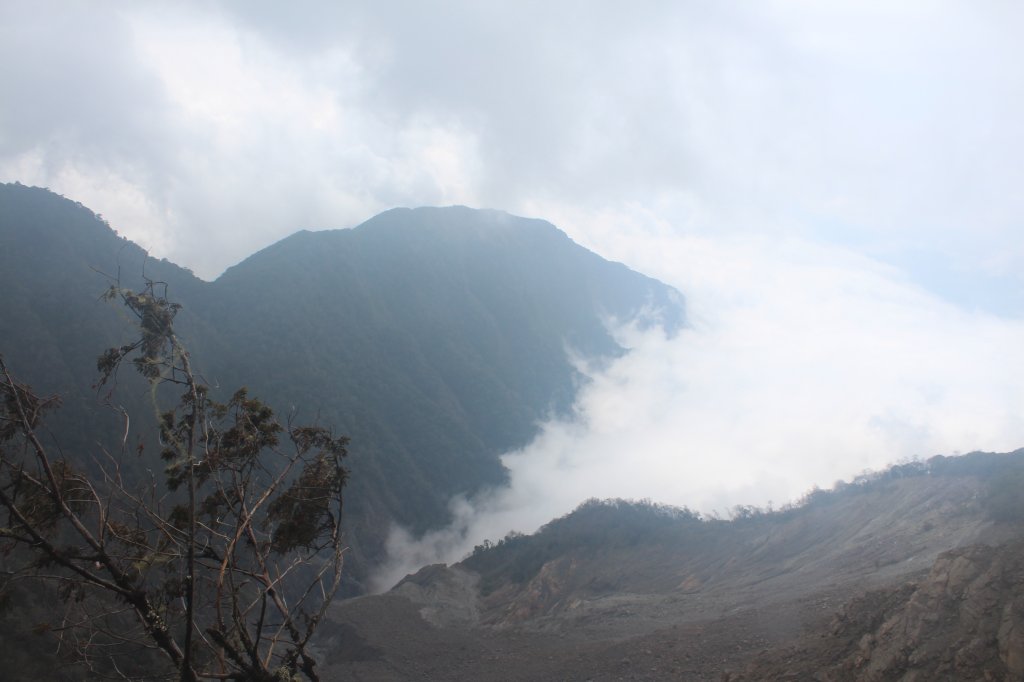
<point x="803" y="365"/>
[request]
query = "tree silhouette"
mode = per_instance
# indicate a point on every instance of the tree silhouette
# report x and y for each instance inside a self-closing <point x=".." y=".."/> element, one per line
<point x="224" y="563"/>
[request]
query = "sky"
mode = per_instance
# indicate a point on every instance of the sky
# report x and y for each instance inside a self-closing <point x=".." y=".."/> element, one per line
<point x="834" y="187"/>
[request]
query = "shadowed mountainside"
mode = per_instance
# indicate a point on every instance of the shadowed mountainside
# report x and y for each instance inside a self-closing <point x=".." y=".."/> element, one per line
<point x="436" y="339"/>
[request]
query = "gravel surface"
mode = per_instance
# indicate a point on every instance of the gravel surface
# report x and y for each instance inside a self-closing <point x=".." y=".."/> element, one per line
<point x="768" y="596"/>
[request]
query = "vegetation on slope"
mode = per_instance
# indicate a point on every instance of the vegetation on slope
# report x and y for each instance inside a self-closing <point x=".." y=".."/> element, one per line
<point x="599" y="528"/>
<point x="436" y="338"/>
<point x="221" y="566"/>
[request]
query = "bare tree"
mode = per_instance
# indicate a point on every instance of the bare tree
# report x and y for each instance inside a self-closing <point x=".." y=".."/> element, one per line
<point x="223" y="564"/>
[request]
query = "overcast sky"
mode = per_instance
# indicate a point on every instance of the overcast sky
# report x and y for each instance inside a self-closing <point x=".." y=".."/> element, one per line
<point x="835" y="186"/>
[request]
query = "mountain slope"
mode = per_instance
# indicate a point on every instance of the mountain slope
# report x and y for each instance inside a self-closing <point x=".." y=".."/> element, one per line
<point x="621" y="590"/>
<point x="435" y="338"/>
<point x="964" y="620"/>
<point x="56" y="259"/>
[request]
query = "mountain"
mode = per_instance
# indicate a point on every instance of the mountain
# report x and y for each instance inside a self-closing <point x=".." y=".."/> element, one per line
<point x="56" y="259"/>
<point x="914" y="573"/>
<point x="436" y="338"/>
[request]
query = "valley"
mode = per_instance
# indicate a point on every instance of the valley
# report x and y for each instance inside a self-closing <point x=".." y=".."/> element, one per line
<point x="437" y="340"/>
<point x="791" y="595"/>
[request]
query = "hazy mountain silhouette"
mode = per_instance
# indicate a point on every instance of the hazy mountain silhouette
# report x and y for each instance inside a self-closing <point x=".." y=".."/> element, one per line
<point x="437" y="338"/>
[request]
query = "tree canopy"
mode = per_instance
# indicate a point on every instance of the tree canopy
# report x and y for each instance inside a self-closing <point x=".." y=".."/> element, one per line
<point x="222" y="564"/>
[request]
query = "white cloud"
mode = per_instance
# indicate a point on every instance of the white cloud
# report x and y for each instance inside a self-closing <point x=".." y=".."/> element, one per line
<point x="806" y="364"/>
<point x="251" y="143"/>
<point x="892" y="129"/>
<point x="834" y="186"/>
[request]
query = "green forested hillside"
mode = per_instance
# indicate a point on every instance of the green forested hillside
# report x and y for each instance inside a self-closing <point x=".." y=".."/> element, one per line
<point x="53" y="325"/>
<point x="435" y="338"/>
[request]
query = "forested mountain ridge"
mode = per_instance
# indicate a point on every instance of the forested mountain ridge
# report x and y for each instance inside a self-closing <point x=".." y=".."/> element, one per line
<point x="436" y="338"/>
<point x="56" y="259"/>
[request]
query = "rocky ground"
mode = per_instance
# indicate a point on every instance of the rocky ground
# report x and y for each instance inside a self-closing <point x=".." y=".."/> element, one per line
<point x="963" y="621"/>
<point x="906" y="580"/>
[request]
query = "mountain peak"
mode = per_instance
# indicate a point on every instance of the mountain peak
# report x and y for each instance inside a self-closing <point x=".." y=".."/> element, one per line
<point x="436" y="338"/>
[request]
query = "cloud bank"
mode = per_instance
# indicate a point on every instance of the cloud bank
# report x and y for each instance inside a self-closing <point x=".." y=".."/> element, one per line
<point x="804" y="365"/>
<point x="206" y="131"/>
<point x="834" y="186"/>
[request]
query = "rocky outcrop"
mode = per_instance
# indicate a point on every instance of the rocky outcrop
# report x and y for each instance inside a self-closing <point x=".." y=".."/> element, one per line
<point x="546" y="592"/>
<point x="964" y="621"/>
<point x="446" y="596"/>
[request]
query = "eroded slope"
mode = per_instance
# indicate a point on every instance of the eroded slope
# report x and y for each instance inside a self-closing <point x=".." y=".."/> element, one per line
<point x="618" y="591"/>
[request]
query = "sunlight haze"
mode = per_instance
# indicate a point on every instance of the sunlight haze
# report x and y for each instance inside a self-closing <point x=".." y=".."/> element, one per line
<point x="833" y="187"/>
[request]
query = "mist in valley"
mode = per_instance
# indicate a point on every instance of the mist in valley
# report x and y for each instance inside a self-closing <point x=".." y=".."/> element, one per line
<point x="801" y="366"/>
<point x="827" y="195"/>
<point x="832" y="188"/>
